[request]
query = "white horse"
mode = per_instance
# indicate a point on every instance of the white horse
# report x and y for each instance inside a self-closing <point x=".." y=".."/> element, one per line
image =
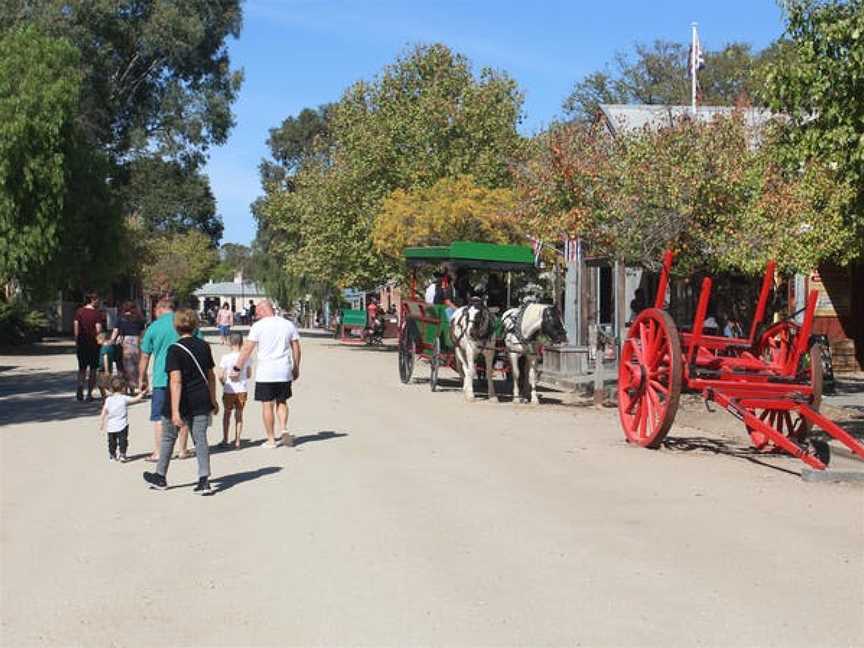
<point x="473" y="334"/>
<point x="526" y="328"/>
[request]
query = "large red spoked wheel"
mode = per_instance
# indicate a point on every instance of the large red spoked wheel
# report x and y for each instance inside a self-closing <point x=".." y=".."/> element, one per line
<point x="649" y="378"/>
<point x="809" y="372"/>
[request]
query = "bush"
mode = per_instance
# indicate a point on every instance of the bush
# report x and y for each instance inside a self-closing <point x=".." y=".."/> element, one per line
<point x="19" y="324"/>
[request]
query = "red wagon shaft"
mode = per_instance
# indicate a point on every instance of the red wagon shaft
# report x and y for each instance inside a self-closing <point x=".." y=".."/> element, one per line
<point x="772" y="382"/>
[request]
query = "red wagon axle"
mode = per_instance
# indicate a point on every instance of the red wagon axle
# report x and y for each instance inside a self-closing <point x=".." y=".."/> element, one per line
<point x="772" y="382"/>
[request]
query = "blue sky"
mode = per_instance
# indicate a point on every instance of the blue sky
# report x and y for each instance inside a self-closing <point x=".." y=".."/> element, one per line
<point x="298" y="53"/>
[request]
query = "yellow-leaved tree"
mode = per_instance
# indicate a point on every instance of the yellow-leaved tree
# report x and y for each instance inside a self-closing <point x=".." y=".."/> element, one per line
<point x="453" y="209"/>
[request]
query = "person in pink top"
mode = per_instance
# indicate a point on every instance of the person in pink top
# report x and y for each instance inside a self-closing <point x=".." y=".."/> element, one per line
<point x="224" y="320"/>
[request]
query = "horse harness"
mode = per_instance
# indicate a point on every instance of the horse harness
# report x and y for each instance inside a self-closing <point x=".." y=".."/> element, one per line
<point x="517" y="330"/>
<point x="463" y="322"/>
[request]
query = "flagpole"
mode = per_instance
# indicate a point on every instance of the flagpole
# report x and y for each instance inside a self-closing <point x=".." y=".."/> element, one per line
<point x="693" y="66"/>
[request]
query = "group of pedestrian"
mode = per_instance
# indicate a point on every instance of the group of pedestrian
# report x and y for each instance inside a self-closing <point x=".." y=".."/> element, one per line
<point x="183" y="388"/>
<point x="102" y="353"/>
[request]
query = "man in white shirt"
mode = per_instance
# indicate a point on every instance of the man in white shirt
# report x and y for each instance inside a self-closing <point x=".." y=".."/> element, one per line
<point x="278" y="344"/>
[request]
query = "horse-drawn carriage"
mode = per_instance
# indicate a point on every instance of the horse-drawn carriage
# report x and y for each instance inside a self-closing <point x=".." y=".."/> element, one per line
<point x="771" y="380"/>
<point x="429" y="333"/>
<point x="355" y="326"/>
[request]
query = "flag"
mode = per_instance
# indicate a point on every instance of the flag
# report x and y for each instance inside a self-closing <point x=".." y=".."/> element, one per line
<point x="696" y="58"/>
<point x="572" y="249"/>
<point x="537" y="246"/>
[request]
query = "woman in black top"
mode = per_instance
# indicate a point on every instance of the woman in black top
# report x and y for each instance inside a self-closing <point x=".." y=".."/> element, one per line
<point x="127" y="333"/>
<point x="190" y="402"/>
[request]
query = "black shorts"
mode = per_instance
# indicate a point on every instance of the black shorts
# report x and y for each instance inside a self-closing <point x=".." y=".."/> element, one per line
<point x="273" y="391"/>
<point x="88" y="356"/>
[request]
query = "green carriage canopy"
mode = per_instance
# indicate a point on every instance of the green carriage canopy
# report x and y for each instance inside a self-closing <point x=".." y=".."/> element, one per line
<point x="469" y="254"/>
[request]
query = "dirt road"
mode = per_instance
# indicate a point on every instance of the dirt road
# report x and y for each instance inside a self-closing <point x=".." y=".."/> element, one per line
<point x="407" y="517"/>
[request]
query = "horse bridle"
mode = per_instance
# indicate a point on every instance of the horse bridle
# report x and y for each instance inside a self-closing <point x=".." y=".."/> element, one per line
<point x="465" y="322"/>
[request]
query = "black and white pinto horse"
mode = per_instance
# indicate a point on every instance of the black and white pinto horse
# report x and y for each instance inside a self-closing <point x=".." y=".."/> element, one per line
<point x="526" y="329"/>
<point x="473" y="334"/>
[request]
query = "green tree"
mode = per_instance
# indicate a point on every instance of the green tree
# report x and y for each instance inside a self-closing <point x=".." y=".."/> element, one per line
<point x="177" y="263"/>
<point x="156" y="72"/>
<point x="39" y="95"/>
<point x="234" y="257"/>
<point x="295" y="141"/>
<point x="657" y="74"/>
<point x="425" y="117"/>
<point x="819" y="86"/>
<point x="170" y="197"/>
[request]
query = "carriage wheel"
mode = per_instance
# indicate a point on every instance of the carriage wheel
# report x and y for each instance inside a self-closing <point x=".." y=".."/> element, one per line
<point x="434" y="364"/>
<point x="790" y="423"/>
<point x="776" y="342"/>
<point x="649" y="378"/>
<point x="407" y="352"/>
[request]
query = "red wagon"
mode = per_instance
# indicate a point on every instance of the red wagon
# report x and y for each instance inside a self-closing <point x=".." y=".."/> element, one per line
<point x="771" y="380"/>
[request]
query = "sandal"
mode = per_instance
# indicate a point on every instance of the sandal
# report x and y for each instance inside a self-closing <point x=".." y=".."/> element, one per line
<point x="151" y="459"/>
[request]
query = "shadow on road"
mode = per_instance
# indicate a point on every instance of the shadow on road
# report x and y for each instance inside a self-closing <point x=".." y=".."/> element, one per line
<point x="225" y="482"/>
<point x="42" y="396"/>
<point x="717" y="446"/>
<point x="324" y="435"/>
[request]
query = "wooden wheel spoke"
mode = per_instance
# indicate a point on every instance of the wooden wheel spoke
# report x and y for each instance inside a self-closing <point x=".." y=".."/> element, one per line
<point x="657" y="386"/>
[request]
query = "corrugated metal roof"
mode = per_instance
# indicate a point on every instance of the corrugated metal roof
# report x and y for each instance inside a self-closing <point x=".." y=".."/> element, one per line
<point x="628" y="117"/>
<point x="230" y="289"/>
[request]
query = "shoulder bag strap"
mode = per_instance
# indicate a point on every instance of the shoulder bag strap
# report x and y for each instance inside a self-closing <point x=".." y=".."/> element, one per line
<point x="195" y="360"/>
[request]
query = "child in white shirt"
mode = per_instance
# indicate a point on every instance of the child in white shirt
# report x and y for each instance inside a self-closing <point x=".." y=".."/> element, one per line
<point x="234" y="390"/>
<point x="115" y="418"/>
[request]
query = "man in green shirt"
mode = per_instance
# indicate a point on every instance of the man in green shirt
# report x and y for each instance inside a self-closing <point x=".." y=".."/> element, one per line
<point x="160" y="335"/>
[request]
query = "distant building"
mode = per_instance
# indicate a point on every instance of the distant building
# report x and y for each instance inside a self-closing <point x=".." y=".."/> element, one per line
<point x="237" y="294"/>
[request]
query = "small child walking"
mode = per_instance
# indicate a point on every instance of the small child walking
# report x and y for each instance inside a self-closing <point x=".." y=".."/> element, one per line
<point x="233" y="390"/>
<point x="115" y="418"/>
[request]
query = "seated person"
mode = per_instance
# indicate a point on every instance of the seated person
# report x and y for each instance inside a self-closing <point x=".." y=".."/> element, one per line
<point x="462" y="287"/>
<point x="496" y="292"/>
<point x="429" y="295"/>
<point x="444" y="295"/>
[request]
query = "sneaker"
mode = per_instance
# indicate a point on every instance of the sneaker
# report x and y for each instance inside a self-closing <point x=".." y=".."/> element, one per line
<point x="110" y="458"/>
<point x="122" y="458"/>
<point x="155" y="480"/>
<point x="203" y="487"/>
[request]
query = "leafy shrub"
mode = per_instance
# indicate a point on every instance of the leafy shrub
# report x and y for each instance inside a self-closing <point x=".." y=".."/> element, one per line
<point x="20" y="324"/>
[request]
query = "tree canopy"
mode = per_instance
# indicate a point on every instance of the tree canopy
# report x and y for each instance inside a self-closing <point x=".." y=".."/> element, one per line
<point x="149" y="89"/>
<point x="155" y="72"/>
<point x="701" y="188"/>
<point x="39" y="95"/>
<point x="819" y="89"/>
<point x="170" y="197"/>
<point x="451" y="209"/>
<point x="426" y="117"/>
<point x="656" y="73"/>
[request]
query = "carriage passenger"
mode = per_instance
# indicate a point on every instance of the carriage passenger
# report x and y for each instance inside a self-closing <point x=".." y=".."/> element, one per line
<point x="432" y="288"/>
<point x="444" y="294"/>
